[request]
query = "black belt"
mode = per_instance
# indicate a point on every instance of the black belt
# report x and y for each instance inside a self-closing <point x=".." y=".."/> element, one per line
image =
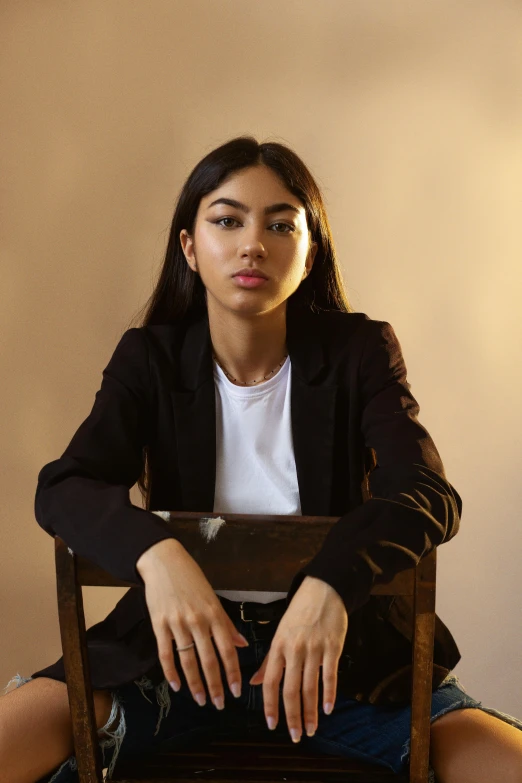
<point x="251" y="611"/>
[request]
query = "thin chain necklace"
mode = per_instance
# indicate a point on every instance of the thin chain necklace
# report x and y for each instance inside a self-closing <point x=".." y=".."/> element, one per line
<point x="246" y="383"/>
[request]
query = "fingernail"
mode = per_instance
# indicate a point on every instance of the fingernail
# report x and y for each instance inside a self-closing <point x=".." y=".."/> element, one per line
<point x="236" y="689"/>
<point x="200" y="698"/>
<point x="310" y="729"/>
<point x="174" y="686"/>
<point x="295" y="735"/>
<point x="243" y="638"/>
<point x="270" y="722"/>
<point x="328" y="707"/>
<point x="218" y="701"/>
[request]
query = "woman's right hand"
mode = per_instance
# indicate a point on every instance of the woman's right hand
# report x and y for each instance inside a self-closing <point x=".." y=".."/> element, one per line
<point x="183" y="606"/>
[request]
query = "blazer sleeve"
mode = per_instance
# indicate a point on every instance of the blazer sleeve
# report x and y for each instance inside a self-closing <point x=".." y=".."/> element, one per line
<point x="83" y="496"/>
<point x="413" y="507"/>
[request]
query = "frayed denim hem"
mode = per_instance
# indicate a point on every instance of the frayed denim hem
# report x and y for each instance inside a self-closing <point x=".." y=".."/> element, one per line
<point x="466" y="703"/>
<point x="162" y="697"/>
<point x="19" y="681"/>
<point x="115" y="738"/>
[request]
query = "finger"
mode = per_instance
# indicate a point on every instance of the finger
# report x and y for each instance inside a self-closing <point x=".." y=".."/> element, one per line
<point x="195" y="629"/>
<point x="311" y="691"/>
<point x="292" y="693"/>
<point x="226" y="647"/>
<point x="271" y="685"/>
<point x="165" y="654"/>
<point x="209" y="664"/>
<point x="330" y="666"/>
<point x="189" y="664"/>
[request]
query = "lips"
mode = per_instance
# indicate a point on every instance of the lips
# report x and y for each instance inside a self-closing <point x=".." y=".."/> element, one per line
<point x="249" y="272"/>
<point x="245" y="281"/>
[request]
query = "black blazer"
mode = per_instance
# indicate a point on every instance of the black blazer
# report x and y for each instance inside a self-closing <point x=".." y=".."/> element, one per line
<point x="350" y="404"/>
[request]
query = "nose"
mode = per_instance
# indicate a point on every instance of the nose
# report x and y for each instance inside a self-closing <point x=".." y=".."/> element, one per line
<point x="253" y="246"/>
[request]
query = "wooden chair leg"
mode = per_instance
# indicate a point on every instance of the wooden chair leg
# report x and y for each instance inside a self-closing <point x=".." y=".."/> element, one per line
<point x="422" y="670"/>
<point x="76" y="664"/>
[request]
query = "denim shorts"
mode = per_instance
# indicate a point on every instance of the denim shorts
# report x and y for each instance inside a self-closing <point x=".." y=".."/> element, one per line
<point x="150" y="717"/>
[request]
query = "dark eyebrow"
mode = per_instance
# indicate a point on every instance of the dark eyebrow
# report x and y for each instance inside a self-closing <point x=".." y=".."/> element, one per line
<point x="268" y="210"/>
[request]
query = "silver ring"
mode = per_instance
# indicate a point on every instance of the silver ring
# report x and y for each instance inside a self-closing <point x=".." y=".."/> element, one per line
<point x="180" y="649"/>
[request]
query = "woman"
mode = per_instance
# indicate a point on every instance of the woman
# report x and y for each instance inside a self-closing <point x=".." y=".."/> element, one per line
<point x="252" y="386"/>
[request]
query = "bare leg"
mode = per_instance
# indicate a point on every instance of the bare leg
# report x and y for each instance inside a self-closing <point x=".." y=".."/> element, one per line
<point x="472" y="746"/>
<point x="35" y="728"/>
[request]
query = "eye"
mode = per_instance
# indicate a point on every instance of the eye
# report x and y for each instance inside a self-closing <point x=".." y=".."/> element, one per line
<point x="218" y="222"/>
<point x="291" y="228"/>
<point x="287" y="225"/>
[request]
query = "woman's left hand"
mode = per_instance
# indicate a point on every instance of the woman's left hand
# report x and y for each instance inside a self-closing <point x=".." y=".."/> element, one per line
<point x="310" y="634"/>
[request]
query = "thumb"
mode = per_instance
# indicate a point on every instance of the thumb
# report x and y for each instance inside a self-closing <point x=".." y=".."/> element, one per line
<point x="240" y="639"/>
<point x="237" y="637"/>
<point x="258" y="677"/>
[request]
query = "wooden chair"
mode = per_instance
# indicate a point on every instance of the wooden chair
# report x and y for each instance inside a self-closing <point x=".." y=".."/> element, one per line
<point x="273" y="549"/>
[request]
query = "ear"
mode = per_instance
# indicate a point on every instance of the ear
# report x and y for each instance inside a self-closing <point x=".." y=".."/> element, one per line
<point x="311" y="257"/>
<point x="187" y="245"/>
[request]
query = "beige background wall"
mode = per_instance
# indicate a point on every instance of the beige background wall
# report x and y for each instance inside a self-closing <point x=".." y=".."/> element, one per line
<point x="410" y="116"/>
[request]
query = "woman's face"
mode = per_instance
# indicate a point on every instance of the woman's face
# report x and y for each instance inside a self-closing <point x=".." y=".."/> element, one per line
<point x="228" y="237"/>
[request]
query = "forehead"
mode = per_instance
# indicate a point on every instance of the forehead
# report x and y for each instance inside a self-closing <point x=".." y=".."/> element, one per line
<point x="256" y="186"/>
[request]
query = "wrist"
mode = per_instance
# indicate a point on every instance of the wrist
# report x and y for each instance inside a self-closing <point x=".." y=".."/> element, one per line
<point x="155" y="553"/>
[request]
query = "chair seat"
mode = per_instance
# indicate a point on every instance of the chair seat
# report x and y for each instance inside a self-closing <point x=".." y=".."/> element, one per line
<point x="247" y="760"/>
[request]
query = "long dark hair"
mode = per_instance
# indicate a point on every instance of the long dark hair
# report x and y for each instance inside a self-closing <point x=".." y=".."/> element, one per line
<point x="179" y="292"/>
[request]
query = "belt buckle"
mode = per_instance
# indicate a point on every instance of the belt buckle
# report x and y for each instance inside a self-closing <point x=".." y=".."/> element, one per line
<point x="261" y="622"/>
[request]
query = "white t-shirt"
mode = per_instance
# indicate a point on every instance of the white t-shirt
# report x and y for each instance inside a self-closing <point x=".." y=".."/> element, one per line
<point x="255" y="464"/>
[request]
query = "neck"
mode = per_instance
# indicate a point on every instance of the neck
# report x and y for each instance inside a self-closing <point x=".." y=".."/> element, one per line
<point x="248" y="347"/>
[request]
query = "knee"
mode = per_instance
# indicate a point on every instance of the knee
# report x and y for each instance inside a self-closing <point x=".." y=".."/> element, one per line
<point x="103" y="704"/>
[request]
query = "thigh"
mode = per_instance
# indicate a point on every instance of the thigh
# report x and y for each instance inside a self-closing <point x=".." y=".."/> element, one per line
<point x="479" y="744"/>
<point x="37" y="715"/>
<point x="380" y="734"/>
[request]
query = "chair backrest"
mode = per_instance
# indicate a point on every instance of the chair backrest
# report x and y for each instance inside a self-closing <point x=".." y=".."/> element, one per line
<point x="271" y="549"/>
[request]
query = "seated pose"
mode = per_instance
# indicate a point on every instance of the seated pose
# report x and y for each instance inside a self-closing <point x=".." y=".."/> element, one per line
<point x="251" y="386"/>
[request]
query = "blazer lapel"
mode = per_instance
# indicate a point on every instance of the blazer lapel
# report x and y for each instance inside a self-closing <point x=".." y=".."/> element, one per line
<point x="195" y="419"/>
<point x="313" y="410"/>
